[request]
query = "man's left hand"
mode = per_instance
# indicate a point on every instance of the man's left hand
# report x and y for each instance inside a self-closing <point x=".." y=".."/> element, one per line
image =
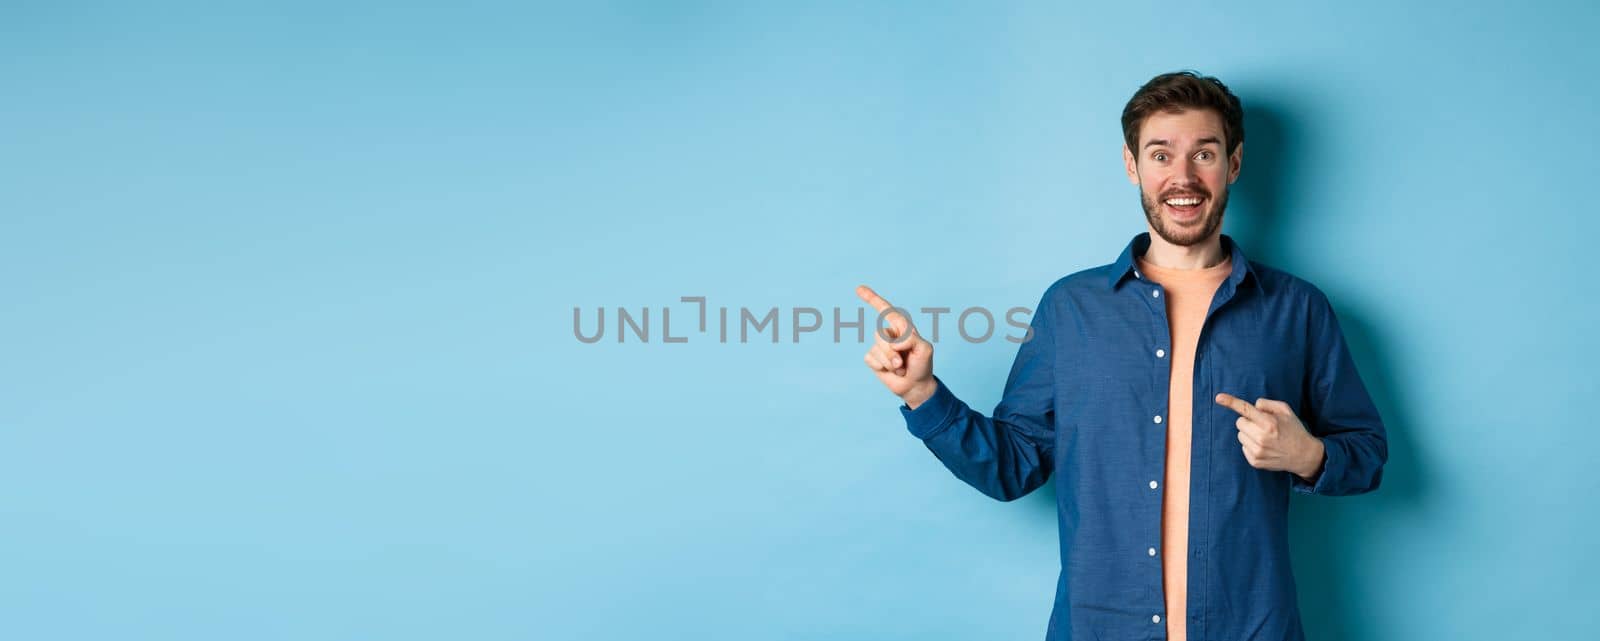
<point x="1273" y="438"/>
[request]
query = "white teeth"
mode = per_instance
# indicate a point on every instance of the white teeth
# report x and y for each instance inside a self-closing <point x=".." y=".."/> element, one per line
<point x="1183" y="202"/>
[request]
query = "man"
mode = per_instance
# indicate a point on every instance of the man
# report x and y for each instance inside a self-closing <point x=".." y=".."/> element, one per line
<point x="1178" y="395"/>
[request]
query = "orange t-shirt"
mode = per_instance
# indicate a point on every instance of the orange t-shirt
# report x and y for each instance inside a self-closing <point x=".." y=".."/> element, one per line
<point x="1188" y="296"/>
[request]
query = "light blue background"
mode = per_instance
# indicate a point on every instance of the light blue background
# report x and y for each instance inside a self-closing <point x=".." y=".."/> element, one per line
<point x="288" y="298"/>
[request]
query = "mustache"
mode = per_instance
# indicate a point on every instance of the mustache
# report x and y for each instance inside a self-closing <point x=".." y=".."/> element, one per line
<point x="1180" y="192"/>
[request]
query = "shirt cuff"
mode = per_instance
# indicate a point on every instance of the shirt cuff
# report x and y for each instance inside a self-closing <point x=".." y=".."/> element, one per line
<point x="933" y="414"/>
<point x="1332" y="467"/>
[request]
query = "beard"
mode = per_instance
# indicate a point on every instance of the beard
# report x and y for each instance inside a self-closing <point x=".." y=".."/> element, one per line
<point x="1184" y="234"/>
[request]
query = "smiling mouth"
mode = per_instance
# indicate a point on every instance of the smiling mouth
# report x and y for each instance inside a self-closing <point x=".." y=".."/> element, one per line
<point x="1184" y="206"/>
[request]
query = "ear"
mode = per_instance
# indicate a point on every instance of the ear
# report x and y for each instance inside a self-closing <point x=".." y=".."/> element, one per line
<point x="1131" y="164"/>
<point x="1235" y="160"/>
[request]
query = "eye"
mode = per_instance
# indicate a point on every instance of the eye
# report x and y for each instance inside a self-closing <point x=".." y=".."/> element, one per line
<point x="1160" y="156"/>
<point x="1204" y="155"/>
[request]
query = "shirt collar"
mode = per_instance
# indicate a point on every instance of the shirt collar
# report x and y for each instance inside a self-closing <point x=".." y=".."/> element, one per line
<point x="1125" y="267"/>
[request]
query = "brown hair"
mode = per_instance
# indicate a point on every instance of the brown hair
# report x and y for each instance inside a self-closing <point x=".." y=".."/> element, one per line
<point x="1180" y="90"/>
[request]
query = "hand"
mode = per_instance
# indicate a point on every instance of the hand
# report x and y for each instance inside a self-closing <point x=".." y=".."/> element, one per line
<point x="1273" y="438"/>
<point x="905" y="364"/>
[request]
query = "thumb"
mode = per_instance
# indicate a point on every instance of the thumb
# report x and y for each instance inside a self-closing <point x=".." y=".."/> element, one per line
<point x="919" y="345"/>
<point x="900" y="332"/>
<point x="1273" y="406"/>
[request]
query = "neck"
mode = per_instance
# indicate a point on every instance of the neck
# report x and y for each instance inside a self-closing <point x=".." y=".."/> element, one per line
<point x="1206" y="253"/>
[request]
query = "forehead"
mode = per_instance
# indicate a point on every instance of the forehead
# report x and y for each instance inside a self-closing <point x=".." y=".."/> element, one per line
<point x="1181" y="128"/>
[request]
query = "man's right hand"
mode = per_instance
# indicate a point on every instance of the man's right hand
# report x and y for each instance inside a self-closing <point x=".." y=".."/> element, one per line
<point x="904" y="361"/>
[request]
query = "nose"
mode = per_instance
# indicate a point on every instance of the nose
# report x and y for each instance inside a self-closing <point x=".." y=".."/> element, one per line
<point x="1186" y="169"/>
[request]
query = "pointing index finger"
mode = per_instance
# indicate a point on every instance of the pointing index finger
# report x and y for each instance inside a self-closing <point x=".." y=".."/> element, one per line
<point x="872" y="298"/>
<point x="897" y="321"/>
<point x="1239" y="405"/>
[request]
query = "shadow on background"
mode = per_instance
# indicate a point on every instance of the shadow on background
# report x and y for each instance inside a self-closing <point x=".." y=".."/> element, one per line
<point x="1330" y="537"/>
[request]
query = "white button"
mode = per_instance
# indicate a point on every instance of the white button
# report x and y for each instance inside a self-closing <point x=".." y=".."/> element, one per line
<point x="1152" y="485"/>
<point x="1155" y="619"/>
<point x="1152" y="551"/>
<point x="1136" y="274"/>
<point x="1155" y="293"/>
<point x="1158" y="418"/>
<point x="1161" y="353"/>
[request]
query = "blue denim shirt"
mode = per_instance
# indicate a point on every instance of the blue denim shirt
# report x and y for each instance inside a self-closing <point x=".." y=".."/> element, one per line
<point x="1082" y="401"/>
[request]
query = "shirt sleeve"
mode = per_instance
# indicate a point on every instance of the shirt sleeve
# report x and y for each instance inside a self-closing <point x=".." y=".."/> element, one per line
<point x="1340" y="412"/>
<point x="1010" y="454"/>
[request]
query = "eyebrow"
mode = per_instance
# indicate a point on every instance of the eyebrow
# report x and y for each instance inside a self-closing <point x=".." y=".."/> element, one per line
<point x="1203" y="141"/>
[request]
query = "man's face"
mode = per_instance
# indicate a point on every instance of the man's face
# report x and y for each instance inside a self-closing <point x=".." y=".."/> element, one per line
<point x="1182" y="174"/>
